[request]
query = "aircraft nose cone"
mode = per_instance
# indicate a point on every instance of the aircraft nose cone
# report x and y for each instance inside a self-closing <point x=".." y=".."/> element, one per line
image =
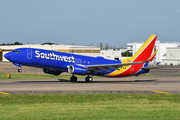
<point x="8" y="56"/>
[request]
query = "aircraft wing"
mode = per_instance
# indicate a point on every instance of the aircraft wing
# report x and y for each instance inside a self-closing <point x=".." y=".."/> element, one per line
<point x="97" y="68"/>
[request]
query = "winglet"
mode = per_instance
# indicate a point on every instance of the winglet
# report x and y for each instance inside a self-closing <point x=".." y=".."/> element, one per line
<point x="152" y="57"/>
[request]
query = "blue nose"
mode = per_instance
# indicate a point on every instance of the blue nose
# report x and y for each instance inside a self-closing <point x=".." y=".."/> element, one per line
<point x="8" y="56"/>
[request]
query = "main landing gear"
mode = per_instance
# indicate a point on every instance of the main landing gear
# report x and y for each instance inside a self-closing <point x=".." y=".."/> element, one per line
<point x="87" y="79"/>
<point x="73" y="79"/>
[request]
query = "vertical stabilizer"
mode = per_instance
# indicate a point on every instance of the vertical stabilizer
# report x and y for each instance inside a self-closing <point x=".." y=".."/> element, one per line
<point x="145" y="52"/>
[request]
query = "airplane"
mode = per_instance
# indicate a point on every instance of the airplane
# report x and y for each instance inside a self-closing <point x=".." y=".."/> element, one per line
<point x="55" y="63"/>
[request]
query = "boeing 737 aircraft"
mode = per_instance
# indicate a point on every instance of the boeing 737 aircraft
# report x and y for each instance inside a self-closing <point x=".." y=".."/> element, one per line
<point x="55" y="63"/>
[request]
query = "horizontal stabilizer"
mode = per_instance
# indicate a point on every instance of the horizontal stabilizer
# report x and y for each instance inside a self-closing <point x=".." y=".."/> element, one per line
<point x="158" y="67"/>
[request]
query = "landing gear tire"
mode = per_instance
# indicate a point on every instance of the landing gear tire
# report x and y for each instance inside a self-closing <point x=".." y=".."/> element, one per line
<point x="89" y="79"/>
<point x="73" y="79"/>
<point x="19" y="70"/>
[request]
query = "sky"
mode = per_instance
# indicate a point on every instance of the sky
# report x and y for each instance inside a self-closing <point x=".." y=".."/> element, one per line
<point x="86" y="22"/>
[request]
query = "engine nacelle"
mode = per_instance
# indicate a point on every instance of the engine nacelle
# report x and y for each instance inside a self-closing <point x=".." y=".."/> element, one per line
<point x="80" y="70"/>
<point x="50" y="71"/>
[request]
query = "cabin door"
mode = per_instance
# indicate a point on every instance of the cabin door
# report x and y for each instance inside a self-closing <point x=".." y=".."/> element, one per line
<point x="29" y="53"/>
<point x="132" y="70"/>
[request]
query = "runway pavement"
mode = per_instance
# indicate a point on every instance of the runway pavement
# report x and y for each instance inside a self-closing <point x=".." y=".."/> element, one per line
<point x="99" y="85"/>
<point x="164" y="82"/>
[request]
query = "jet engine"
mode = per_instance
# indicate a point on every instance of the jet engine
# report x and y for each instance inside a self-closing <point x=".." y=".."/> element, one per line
<point x="51" y="71"/>
<point x="75" y="69"/>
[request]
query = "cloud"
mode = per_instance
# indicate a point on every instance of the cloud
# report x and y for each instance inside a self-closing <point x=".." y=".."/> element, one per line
<point x="175" y="21"/>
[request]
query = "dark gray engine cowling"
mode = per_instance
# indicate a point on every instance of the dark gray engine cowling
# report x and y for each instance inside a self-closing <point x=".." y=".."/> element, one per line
<point x="75" y="69"/>
<point x="51" y="71"/>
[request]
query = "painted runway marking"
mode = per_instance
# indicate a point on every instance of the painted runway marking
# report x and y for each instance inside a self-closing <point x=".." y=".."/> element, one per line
<point x="5" y="93"/>
<point x="160" y="92"/>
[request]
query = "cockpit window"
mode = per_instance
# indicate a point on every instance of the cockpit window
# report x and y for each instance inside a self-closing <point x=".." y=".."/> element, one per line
<point x="16" y="51"/>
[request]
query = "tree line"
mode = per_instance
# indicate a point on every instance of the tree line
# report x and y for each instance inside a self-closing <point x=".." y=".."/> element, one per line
<point x="18" y="43"/>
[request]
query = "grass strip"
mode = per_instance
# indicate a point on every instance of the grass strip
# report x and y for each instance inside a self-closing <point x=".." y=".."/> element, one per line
<point x="90" y="106"/>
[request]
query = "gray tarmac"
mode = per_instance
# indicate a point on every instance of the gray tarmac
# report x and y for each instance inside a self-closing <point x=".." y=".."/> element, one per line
<point x="166" y="80"/>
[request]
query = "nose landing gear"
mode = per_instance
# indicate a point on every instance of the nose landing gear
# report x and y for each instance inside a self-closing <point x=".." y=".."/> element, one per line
<point x="19" y="65"/>
<point x="19" y="70"/>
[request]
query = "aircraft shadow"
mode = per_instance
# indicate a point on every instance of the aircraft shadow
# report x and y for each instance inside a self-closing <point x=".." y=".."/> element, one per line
<point x="133" y="81"/>
<point x="100" y="81"/>
<point x="65" y="80"/>
<point x="38" y="81"/>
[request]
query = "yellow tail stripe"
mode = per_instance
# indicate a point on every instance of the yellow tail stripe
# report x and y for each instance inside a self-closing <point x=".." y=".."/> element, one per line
<point x="143" y="46"/>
